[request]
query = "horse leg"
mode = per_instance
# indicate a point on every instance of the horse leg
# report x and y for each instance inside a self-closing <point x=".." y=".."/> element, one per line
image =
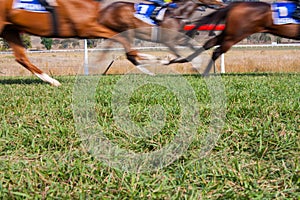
<point x="173" y="49"/>
<point x="132" y="55"/>
<point x="179" y="59"/>
<point x="223" y="48"/>
<point x="14" y="40"/>
<point x="126" y="39"/>
<point x="209" y="44"/>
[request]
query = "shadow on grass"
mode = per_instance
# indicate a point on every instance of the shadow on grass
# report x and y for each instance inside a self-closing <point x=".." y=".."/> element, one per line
<point x="19" y="81"/>
<point x="68" y="79"/>
<point x="31" y="80"/>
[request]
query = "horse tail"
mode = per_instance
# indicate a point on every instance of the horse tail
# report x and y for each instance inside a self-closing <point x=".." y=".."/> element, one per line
<point x="213" y="18"/>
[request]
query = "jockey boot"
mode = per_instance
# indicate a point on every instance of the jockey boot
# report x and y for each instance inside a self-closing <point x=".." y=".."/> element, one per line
<point x="155" y="12"/>
<point x="296" y="13"/>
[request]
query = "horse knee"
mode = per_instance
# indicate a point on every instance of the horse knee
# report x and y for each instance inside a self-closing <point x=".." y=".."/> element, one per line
<point x="26" y="63"/>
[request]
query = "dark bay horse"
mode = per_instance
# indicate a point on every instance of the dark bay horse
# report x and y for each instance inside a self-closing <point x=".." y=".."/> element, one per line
<point x="75" y="19"/>
<point x="241" y="19"/>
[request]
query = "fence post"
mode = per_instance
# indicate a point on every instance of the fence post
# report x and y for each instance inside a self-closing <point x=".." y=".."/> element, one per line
<point x="86" y="60"/>
<point x="222" y="64"/>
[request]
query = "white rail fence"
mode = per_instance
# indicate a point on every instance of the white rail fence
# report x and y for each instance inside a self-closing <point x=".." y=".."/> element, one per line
<point x="273" y="45"/>
<point x="222" y="58"/>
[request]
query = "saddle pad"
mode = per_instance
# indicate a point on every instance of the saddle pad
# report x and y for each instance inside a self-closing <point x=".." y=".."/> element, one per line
<point x="29" y="5"/>
<point x="144" y="11"/>
<point x="282" y="13"/>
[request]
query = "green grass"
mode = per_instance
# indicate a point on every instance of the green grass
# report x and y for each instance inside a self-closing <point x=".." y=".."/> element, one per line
<point x="256" y="157"/>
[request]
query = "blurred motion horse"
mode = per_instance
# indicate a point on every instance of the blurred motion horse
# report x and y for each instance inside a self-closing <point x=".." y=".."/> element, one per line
<point x="169" y="31"/>
<point x="66" y="19"/>
<point x="241" y="19"/>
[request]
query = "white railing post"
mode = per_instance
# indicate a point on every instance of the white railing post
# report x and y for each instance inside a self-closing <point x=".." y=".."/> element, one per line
<point x="222" y="64"/>
<point x="86" y="60"/>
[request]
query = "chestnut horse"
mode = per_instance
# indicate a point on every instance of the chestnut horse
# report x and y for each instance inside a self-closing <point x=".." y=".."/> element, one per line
<point x="75" y="18"/>
<point x="241" y="19"/>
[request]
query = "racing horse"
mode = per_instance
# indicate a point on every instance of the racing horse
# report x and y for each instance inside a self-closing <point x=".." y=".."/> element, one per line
<point x="168" y="31"/>
<point x="74" y="19"/>
<point x="241" y="19"/>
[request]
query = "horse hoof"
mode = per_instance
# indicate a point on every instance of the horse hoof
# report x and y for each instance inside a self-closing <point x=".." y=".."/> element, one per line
<point x="165" y="62"/>
<point x="55" y="83"/>
<point x="47" y="78"/>
<point x="144" y="70"/>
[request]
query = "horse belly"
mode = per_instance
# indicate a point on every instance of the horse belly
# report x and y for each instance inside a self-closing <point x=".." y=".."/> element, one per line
<point x="30" y="22"/>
